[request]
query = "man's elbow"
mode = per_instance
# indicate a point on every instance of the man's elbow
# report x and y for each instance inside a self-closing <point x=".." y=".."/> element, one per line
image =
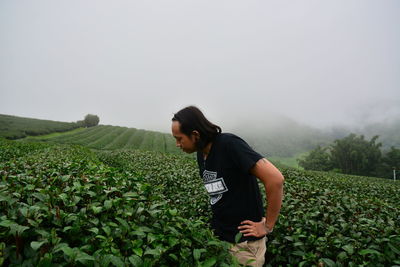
<point x="278" y="181"/>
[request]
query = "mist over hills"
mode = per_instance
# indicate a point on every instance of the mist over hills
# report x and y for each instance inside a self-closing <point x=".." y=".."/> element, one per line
<point x="270" y="134"/>
<point x="388" y="131"/>
<point x="278" y="135"/>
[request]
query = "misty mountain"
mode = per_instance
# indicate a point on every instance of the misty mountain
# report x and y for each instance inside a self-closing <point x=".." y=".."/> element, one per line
<point x="388" y="131"/>
<point x="277" y="135"/>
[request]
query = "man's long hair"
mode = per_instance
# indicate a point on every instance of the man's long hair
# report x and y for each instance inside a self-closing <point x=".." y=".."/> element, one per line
<point x="192" y="119"/>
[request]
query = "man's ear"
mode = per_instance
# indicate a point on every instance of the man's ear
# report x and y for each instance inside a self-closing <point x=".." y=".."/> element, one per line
<point x="196" y="135"/>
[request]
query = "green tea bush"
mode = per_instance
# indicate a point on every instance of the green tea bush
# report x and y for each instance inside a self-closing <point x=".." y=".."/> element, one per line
<point x="68" y="206"/>
<point x="326" y="219"/>
<point x="60" y="206"/>
<point x="329" y="219"/>
<point x="175" y="177"/>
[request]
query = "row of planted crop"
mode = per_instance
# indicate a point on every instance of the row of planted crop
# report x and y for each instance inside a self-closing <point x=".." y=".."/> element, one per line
<point x="114" y="137"/>
<point x="338" y="220"/>
<point x="326" y="219"/>
<point x="61" y="206"/>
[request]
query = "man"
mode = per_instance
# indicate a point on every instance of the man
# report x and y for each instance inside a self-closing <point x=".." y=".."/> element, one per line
<point x="229" y="168"/>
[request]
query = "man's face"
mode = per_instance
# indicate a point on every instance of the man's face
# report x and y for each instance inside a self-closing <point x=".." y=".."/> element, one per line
<point x="184" y="142"/>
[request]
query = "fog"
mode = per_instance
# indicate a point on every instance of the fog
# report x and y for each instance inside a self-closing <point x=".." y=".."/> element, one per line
<point x="135" y="63"/>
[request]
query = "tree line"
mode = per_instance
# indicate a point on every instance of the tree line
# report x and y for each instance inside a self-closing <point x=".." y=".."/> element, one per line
<point x="354" y="155"/>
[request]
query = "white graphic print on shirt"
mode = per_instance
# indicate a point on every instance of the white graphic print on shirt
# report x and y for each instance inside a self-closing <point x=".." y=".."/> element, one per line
<point x="214" y="186"/>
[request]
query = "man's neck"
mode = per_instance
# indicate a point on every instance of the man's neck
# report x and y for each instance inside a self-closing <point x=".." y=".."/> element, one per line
<point x="206" y="150"/>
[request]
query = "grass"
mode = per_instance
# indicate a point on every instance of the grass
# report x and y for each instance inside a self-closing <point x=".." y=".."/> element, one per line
<point x="288" y="161"/>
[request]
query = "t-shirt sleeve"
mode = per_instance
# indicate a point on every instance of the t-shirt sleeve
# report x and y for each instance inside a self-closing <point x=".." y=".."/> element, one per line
<point x="242" y="154"/>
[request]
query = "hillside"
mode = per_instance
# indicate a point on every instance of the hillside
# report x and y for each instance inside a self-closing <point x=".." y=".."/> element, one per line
<point x="13" y="127"/>
<point x="114" y="137"/>
<point x="277" y="137"/>
<point x="282" y="137"/>
<point x="98" y="137"/>
<point x="388" y="131"/>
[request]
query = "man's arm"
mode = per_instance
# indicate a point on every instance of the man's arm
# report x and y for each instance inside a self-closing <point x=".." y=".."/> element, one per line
<point x="273" y="180"/>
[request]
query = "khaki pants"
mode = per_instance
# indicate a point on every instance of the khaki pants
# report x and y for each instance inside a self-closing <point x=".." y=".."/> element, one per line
<point x="250" y="253"/>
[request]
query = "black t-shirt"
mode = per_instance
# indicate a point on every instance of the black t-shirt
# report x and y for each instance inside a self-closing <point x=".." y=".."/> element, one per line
<point x="234" y="192"/>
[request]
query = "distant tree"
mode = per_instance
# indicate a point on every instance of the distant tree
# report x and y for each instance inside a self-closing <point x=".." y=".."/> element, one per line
<point x="317" y="160"/>
<point x="355" y="155"/>
<point x="390" y="161"/>
<point x="91" y="120"/>
<point x="81" y="123"/>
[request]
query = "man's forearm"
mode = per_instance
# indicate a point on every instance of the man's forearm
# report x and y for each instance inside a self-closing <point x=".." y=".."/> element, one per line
<point x="274" y="203"/>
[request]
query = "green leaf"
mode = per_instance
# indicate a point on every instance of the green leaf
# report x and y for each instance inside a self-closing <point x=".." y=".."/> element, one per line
<point x="138" y="251"/>
<point x="83" y="257"/>
<point x="298" y="244"/>
<point x="135" y="260"/>
<point x="36" y="245"/>
<point x="123" y="223"/>
<point x="172" y="241"/>
<point x="298" y="253"/>
<point x="214" y="243"/>
<point x="156" y="252"/>
<point x="173" y="256"/>
<point x="173" y="212"/>
<point x="238" y="236"/>
<point x="96" y="210"/>
<point x="107" y="230"/>
<point x="209" y="262"/>
<point x="68" y="251"/>
<point x="328" y="262"/>
<point x="289" y="238"/>
<point x="108" y="204"/>
<point x="117" y="261"/>
<point x="197" y="253"/>
<point x="94" y="230"/>
<point x="349" y="249"/>
<point x="41" y="197"/>
<point x="101" y="237"/>
<point x="24" y="211"/>
<point x="18" y="229"/>
<point x="369" y="251"/>
<point x="130" y="195"/>
<point x="342" y="255"/>
<point x="59" y="247"/>
<point x="7" y="223"/>
<point x="66" y="228"/>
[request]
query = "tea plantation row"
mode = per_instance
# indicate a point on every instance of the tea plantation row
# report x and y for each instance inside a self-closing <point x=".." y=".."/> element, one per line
<point x="60" y="206"/>
<point x="66" y="205"/>
<point x="13" y="127"/>
<point x="114" y="137"/>
<point x="327" y="219"/>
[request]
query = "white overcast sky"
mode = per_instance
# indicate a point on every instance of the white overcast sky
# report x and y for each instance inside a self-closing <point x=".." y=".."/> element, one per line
<point x="134" y="63"/>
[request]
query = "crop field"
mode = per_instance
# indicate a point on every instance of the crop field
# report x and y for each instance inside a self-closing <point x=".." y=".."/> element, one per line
<point x="106" y="137"/>
<point x="68" y="206"/>
<point x="13" y="127"/>
<point x="61" y="206"/>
